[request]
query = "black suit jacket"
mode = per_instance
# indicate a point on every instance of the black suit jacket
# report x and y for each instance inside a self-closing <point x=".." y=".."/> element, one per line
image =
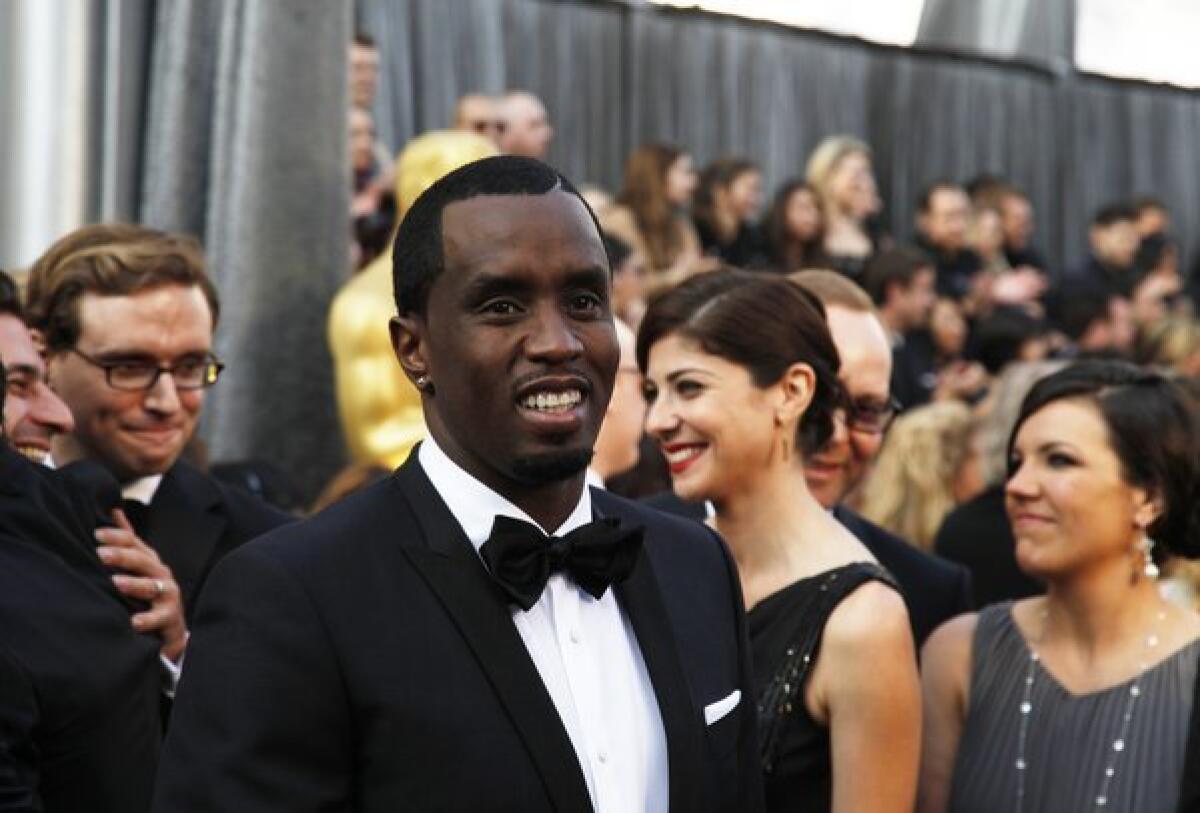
<point x="195" y="519"/>
<point x="79" y="689"/>
<point x="363" y="660"/>
<point x="934" y="590"/>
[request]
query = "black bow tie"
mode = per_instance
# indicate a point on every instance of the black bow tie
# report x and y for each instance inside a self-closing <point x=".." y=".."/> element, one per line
<point x="521" y="557"/>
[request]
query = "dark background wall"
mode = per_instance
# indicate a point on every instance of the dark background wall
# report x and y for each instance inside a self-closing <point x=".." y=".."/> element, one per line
<point x="616" y="75"/>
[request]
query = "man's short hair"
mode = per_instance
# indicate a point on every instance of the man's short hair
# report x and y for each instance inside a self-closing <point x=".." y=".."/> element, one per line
<point x="418" y="257"/>
<point x="895" y="266"/>
<point x="1147" y="203"/>
<point x="925" y="199"/>
<point x="1113" y="213"/>
<point x="1077" y="306"/>
<point x="364" y="39"/>
<point x="109" y="259"/>
<point x="832" y="288"/>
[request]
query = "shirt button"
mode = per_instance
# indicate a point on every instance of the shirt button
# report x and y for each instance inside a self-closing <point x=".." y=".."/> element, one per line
<point x="574" y="636"/>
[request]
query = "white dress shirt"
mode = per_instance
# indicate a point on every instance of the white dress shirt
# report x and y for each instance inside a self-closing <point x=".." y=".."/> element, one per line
<point x="585" y="651"/>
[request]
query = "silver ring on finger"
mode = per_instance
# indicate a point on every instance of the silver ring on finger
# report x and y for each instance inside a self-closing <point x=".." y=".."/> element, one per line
<point x="160" y="587"/>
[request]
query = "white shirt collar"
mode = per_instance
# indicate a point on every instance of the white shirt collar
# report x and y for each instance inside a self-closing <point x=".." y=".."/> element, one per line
<point x="475" y="506"/>
<point x="142" y="489"/>
<point x="592" y="479"/>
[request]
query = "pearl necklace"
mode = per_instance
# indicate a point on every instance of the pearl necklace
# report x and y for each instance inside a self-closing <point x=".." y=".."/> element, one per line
<point x="1115" y="748"/>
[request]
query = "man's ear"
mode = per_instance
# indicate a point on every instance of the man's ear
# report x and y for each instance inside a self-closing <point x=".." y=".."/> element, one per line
<point x="408" y="344"/>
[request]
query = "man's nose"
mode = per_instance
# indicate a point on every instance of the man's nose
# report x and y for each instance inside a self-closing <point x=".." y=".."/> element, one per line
<point x="48" y="410"/>
<point x="552" y="336"/>
<point x="163" y="395"/>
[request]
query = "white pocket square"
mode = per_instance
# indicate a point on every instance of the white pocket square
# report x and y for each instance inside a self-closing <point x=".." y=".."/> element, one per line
<point x="715" y="711"/>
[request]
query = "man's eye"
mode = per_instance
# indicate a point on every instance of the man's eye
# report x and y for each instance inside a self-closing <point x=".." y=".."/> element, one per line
<point x="500" y="307"/>
<point x="18" y="386"/>
<point x="586" y="302"/>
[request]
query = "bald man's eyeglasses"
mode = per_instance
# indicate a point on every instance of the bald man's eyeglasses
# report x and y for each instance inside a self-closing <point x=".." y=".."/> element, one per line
<point x="870" y="415"/>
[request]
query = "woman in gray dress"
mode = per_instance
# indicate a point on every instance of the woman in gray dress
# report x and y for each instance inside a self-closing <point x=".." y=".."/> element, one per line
<point x="1079" y="699"/>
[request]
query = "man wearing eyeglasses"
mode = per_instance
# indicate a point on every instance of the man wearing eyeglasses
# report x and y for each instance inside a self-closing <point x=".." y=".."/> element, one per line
<point x="127" y="317"/>
<point x="935" y="590"/>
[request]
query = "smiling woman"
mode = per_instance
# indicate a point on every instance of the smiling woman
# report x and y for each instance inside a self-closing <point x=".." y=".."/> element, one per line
<point x="741" y="383"/>
<point x="1094" y="680"/>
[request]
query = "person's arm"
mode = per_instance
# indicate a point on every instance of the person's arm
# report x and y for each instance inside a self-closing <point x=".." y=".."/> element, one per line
<point x="945" y="678"/>
<point x="867" y="687"/>
<point x="260" y="719"/>
<point x="18" y="717"/>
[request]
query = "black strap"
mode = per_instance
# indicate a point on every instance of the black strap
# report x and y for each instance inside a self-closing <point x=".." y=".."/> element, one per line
<point x="1189" y="794"/>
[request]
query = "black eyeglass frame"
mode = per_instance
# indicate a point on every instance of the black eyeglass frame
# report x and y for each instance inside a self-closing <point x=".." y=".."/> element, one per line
<point x="877" y="425"/>
<point x="212" y="371"/>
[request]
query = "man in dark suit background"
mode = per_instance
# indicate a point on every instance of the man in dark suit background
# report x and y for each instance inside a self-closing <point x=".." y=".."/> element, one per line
<point x="422" y="644"/>
<point x="80" y="687"/>
<point x="934" y="589"/>
<point x="127" y="316"/>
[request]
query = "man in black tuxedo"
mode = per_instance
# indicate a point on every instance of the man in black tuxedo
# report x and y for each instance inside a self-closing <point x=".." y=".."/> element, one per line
<point x="80" y="688"/>
<point x="422" y="645"/>
<point x="127" y="315"/>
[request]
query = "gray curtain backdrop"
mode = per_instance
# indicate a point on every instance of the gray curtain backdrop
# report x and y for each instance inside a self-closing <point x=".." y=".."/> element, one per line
<point x="615" y="75"/>
<point x="246" y="149"/>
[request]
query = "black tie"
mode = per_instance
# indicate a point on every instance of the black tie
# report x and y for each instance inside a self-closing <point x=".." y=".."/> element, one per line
<point x="135" y="512"/>
<point x="521" y="558"/>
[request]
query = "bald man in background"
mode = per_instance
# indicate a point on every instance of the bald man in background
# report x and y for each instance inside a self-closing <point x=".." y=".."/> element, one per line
<point x="527" y="129"/>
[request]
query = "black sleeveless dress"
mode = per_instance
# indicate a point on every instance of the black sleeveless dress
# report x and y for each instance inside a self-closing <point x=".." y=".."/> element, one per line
<point x="785" y="639"/>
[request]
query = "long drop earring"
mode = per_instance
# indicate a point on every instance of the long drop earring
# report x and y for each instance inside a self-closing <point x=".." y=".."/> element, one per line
<point x="1149" y="569"/>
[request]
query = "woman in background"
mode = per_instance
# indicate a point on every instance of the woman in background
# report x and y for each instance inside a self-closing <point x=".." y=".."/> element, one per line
<point x="929" y="464"/>
<point x="726" y="204"/>
<point x="651" y="214"/>
<point x="795" y="228"/>
<point x="741" y="385"/>
<point x="840" y="170"/>
<point x="1081" y="699"/>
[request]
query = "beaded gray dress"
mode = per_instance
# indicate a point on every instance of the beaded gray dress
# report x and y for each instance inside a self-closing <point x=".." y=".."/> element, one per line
<point x="1071" y="741"/>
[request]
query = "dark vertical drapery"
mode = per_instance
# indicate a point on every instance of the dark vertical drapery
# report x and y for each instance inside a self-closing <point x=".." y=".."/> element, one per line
<point x="614" y="76"/>
<point x="246" y="149"/>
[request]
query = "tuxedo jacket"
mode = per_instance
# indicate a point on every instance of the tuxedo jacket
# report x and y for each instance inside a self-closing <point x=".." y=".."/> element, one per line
<point x="195" y="519"/>
<point x="933" y="589"/>
<point x="80" y="723"/>
<point x="364" y="660"/>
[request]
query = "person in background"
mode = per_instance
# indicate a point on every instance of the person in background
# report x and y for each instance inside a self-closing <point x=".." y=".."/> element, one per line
<point x="1151" y="216"/>
<point x="128" y="315"/>
<point x="741" y="382"/>
<point x="794" y="228"/>
<point x="977" y="534"/>
<point x="617" y="446"/>
<point x="1080" y="699"/>
<point x="839" y="169"/>
<point x="1113" y="241"/>
<point x="650" y="214"/>
<point x="527" y="129"/>
<point x="1172" y="343"/>
<point x="943" y="216"/>
<point x="933" y="589"/>
<point x="364" y="84"/>
<point x="929" y="464"/>
<point x="629" y="281"/>
<point x="372" y="205"/>
<point x="480" y="114"/>
<point x="1018" y="224"/>
<point x="1009" y="334"/>
<point x="726" y="205"/>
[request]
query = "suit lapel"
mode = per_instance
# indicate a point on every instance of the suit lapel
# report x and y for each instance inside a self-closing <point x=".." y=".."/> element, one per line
<point x="180" y="524"/>
<point x="641" y="597"/>
<point x="454" y="572"/>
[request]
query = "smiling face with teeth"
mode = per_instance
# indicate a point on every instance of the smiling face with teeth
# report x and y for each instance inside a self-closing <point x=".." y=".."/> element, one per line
<point x="518" y="341"/>
<point x="33" y="414"/>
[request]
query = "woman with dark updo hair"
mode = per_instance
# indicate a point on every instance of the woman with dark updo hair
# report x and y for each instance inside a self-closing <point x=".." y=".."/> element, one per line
<point x="741" y="381"/>
<point x="1079" y="699"/>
